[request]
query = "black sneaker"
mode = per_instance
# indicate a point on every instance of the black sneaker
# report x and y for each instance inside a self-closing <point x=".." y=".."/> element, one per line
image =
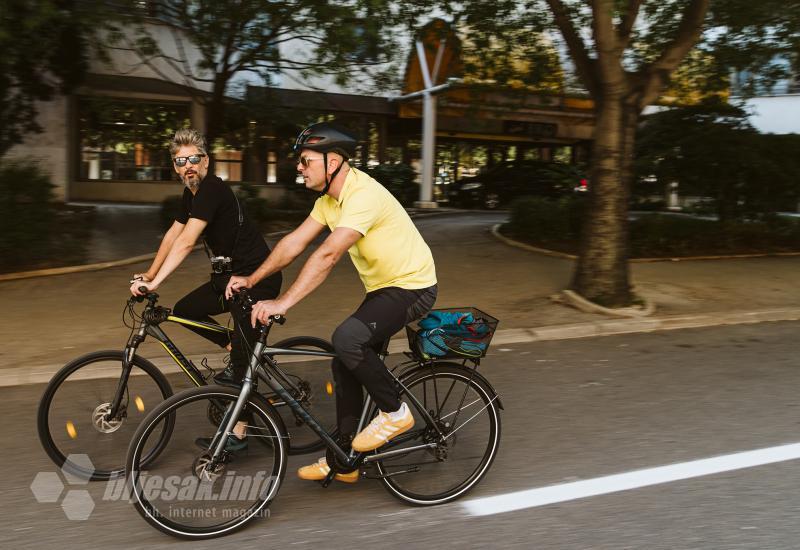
<point x="227" y="378"/>
<point x="232" y="445"/>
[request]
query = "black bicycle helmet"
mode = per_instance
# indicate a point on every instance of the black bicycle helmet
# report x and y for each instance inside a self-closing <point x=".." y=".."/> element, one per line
<point x="326" y="137"/>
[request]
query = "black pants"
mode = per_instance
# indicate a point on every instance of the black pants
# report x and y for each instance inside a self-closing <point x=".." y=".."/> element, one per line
<point x="358" y="341"/>
<point x="209" y="299"/>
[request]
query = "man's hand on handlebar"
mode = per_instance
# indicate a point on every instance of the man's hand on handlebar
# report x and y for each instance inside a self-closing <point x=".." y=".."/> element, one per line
<point x="264" y="309"/>
<point x="138" y="285"/>
<point x="235" y="284"/>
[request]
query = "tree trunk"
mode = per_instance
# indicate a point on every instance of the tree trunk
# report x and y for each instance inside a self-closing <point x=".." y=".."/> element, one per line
<point x="215" y="112"/>
<point x="601" y="274"/>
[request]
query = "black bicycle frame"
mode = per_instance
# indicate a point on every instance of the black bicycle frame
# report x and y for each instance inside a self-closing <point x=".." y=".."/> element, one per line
<point x="257" y="371"/>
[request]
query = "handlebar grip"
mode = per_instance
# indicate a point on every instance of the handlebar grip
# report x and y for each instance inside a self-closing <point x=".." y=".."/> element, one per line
<point x="142" y="289"/>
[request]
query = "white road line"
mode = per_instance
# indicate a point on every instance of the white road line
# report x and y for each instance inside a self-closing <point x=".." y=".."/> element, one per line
<point x="632" y="480"/>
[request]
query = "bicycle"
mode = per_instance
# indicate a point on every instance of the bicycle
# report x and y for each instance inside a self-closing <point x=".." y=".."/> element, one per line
<point x="199" y="488"/>
<point x="95" y="401"/>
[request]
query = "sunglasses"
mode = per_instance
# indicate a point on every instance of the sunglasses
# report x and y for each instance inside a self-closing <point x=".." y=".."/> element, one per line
<point x="194" y="159"/>
<point x="305" y="162"/>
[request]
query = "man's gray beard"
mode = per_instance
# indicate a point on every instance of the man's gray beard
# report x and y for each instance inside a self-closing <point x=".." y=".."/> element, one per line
<point x="192" y="185"/>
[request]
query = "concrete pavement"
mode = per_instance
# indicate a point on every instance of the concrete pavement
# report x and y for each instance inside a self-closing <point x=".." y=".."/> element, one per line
<point x="50" y="320"/>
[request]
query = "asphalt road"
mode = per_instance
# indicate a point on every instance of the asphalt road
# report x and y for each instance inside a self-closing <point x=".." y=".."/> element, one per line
<point x="574" y="410"/>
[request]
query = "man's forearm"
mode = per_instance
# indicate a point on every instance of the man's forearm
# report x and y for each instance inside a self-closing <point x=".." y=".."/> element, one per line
<point x="163" y="251"/>
<point x="177" y="253"/>
<point x="314" y="272"/>
<point x="282" y="255"/>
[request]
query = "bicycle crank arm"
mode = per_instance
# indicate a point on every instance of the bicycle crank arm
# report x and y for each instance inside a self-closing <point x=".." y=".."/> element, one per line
<point x="404" y="450"/>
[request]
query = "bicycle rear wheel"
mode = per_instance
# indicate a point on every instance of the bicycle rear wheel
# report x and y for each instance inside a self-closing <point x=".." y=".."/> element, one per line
<point x="309" y="380"/>
<point x="466" y="410"/>
<point x="72" y="419"/>
<point x="184" y="493"/>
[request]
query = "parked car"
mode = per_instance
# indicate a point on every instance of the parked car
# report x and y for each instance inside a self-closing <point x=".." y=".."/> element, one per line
<point x="497" y="186"/>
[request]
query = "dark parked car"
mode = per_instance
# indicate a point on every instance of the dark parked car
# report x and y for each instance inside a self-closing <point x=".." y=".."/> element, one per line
<point x="499" y="185"/>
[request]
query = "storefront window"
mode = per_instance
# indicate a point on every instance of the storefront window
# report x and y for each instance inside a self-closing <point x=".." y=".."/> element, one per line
<point x="128" y="139"/>
<point x="228" y="163"/>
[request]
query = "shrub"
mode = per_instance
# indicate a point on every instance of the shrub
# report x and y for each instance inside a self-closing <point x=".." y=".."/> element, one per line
<point x="399" y="179"/>
<point x="34" y="231"/>
<point x="547" y="221"/>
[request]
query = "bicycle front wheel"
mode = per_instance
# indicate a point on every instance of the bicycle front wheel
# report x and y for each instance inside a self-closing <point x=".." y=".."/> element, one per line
<point x="466" y="411"/>
<point x="187" y="492"/>
<point x="73" y="420"/>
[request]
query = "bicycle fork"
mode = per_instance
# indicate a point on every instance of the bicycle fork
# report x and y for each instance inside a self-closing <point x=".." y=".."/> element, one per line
<point x="127" y="367"/>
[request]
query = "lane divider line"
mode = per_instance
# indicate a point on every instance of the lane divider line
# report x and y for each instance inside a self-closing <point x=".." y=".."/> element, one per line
<point x="563" y="492"/>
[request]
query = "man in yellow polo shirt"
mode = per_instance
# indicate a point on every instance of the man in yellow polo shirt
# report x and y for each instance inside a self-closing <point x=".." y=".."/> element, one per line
<point x="393" y="261"/>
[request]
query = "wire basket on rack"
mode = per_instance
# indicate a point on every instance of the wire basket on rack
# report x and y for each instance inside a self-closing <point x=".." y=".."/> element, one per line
<point x="452" y="333"/>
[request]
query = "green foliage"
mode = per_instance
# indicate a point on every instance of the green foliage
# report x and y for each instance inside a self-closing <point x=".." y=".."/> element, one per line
<point x="711" y="150"/>
<point x="399" y="179"/>
<point x="44" y="52"/>
<point x="255" y="206"/>
<point x="556" y="225"/>
<point x="33" y="229"/>
<point x="344" y="39"/>
<point x="660" y="235"/>
<point x="547" y="222"/>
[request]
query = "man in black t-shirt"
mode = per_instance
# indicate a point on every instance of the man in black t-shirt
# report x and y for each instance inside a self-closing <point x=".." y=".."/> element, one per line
<point x="211" y="211"/>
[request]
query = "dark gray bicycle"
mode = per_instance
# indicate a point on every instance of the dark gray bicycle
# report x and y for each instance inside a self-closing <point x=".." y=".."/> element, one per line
<point x="199" y="487"/>
<point x="92" y="406"/>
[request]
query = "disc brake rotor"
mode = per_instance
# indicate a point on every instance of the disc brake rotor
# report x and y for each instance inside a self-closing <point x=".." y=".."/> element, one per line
<point x="101" y="421"/>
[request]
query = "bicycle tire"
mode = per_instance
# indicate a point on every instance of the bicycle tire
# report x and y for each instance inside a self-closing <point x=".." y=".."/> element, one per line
<point x="148" y="502"/>
<point x="394" y="472"/>
<point x="59" y="448"/>
<point x="320" y="403"/>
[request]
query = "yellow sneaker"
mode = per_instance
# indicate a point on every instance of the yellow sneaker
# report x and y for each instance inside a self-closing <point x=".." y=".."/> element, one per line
<point x="319" y="471"/>
<point x="382" y="429"/>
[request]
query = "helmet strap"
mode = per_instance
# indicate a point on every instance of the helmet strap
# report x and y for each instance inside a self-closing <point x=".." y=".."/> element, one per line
<point x="329" y="180"/>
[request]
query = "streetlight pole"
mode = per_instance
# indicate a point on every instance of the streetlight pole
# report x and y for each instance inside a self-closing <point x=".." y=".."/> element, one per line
<point x="428" y="120"/>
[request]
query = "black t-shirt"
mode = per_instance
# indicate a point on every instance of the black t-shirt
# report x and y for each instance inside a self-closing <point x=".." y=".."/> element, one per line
<point x="215" y="204"/>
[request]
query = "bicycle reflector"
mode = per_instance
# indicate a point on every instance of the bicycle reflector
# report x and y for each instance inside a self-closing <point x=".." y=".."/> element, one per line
<point x="329" y="387"/>
<point x="71" y="431"/>
<point x="139" y="404"/>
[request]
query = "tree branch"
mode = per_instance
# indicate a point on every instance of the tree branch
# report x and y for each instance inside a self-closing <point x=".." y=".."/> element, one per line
<point x="609" y="56"/>
<point x="689" y="30"/>
<point x="584" y="65"/>
<point x="625" y="29"/>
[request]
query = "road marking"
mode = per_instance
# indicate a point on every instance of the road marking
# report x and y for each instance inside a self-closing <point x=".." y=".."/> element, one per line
<point x="542" y="496"/>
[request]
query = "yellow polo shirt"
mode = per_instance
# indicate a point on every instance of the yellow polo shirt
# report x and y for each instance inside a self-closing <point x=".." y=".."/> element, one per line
<point x="391" y="251"/>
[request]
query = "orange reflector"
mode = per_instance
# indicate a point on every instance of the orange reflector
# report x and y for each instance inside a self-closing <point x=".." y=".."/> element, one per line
<point x="139" y="404"/>
<point x="329" y="388"/>
<point x="73" y="433"/>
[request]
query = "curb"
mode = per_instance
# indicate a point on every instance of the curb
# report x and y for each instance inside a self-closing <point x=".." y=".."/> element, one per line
<point x="517" y="244"/>
<point x="17" y="376"/>
<point x="95" y="267"/>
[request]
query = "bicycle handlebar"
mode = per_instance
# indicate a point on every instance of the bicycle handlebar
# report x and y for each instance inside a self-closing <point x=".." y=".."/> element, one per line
<point x="243" y="297"/>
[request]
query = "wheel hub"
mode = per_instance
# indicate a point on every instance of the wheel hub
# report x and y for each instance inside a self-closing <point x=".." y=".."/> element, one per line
<point x="102" y="423"/>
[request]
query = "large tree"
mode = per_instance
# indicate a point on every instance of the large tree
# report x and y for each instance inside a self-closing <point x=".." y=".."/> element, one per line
<point x="214" y="41"/>
<point x="625" y="54"/>
<point x="43" y="51"/>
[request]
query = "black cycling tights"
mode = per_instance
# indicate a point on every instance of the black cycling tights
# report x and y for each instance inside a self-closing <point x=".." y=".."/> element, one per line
<point x="358" y="341"/>
<point x="209" y="299"/>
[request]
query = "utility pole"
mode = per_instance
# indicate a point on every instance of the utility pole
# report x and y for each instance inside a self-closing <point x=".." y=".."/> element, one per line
<point x="428" y="119"/>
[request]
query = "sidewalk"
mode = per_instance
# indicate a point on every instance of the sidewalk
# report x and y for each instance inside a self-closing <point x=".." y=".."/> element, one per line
<point x="50" y="320"/>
